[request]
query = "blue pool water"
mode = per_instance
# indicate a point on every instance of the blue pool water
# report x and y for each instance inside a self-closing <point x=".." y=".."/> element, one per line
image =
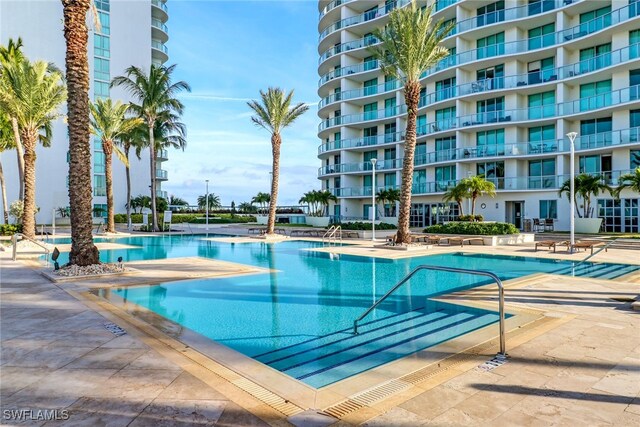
<point x="298" y="320"/>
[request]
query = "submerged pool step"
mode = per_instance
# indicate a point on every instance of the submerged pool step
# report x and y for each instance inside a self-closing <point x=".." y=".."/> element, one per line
<point x="352" y="360"/>
<point x="598" y="271"/>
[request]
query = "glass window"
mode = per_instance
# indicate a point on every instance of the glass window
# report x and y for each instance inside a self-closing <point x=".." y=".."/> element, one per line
<point x="445" y="148"/>
<point x="595" y="95"/>
<point x="542" y="173"/>
<point x="634" y="8"/>
<point x="542" y="105"/>
<point x="420" y="157"/>
<point x="489" y="78"/>
<point x="490" y="110"/>
<point x="370" y="63"/>
<point x="445" y="177"/>
<point x="595" y="133"/>
<point x="634" y="41"/>
<point x="390" y="107"/>
<point x="549" y="209"/>
<point x="105" y="25"/>
<point x="370" y="87"/>
<point x="390" y="132"/>
<point x="596" y="163"/>
<point x="492" y="45"/>
<point x="100" y="89"/>
<point x="99" y="185"/>
<point x="421" y="124"/>
<point x="490" y="13"/>
<point x="634" y="159"/>
<point x="539" y="6"/>
<point x="446" y="89"/>
<point x="101" y="71"/>
<point x="542" y="36"/>
<point x="542" y="139"/>
<point x="595" y="20"/>
<point x="490" y="143"/>
<point x="634" y="118"/>
<point x="492" y="171"/>
<point x="541" y="71"/>
<point x="445" y="119"/>
<point x="419" y="181"/>
<point x="634" y="84"/>
<point x="593" y="58"/>
<point x="390" y="180"/>
<point x="368" y="155"/>
<point x="101" y="45"/>
<point x="371" y="111"/>
<point x="390" y="154"/>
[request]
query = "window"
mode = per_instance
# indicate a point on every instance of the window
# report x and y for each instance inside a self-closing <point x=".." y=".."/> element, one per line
<point x="446" y="89"/>
<point x="421" y="125"/>
<point x="390" y="133"/>
<point x="390" y="107"/>
<point x="489" y="78"/>
<point x="101" y="45"/>
<point x="370" y="135"/>
<point x="594" y="58"/>
<point x="543" y="70"/>
<point x="445" y="177"/>
<point x="634" y="44"/>
<point x="99" y="210"/>
<point x="634" y="8"/>
<point x="390" y="180"/>
<point x="595" y="95"/>
<point x="542" y="105"/>
<point x="390" y="83"/>
<point x="542" y="36"/>
<point x="101" y="71"/>
<point x="619" y="215"/>
<point x="542" y="139"/>
<point x="368" y="155"/>
<point x="595" y="164"/>
<point x="595" y="133"/>
<point x="370" y="87"/>
<point x="105" y="26"/>
<point x="634" y="84"/>
<point x="539" y="6"/>
<point x="492" y="171"/>
<point x="98" y="162"/>
<point x="595" y="20"/>
<point x="490" y="143"/>
<point x="99" y="185"/>
<point x="423" y="97"/>
<point x="390" y="153"/>
<point x="490" y="110"/>
<point x="542" y="173"/>
<point x="370" y="111"/>
<point x="549" y="209"/>
<point x="420" y="157"/>
<point x="445" y="148"/>
<point x="492" y="45"/>
<point x="634" y="159"/>
<point x="370" y="63"/>
<point x="100" y="89"/>
<point x="419" y="181"/>
<point x="490" y="13"/>
<point x="369" y="14"/>
<point x="102" y="5"/>
<point x="445" y="119"/>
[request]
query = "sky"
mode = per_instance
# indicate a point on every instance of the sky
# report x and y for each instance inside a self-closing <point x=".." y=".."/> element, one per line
<point x="228" y="51"/>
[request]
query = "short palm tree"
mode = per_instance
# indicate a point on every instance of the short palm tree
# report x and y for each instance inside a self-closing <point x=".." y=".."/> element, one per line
<point x="457" y="194"/>
<point x="478" y="186"/>
<point x="155" y="93"/>
<point x="409" y="46"/>
<point x="389" y="196"/>
<point x="214" y="201"/>
<point x="247" y="207"/>
<point x="109" y="123"/>
<point x="83" y="251"/>
<point x="261" y="199"/>
<point x="630" y="180"/>
<point x="586" y="186"/>
<point x="177" y="201"/>
<point x="32" y="94"/>
<point x="274" y="113"/>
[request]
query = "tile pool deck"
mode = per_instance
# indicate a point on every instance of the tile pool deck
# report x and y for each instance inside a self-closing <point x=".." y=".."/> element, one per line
<point x="582" y="367"/>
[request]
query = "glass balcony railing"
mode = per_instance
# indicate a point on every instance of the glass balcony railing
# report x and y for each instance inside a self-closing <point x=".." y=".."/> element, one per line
<point x="344" y="47"/>
<point x="365" y="141"/>
<point x="332" y="5"/>
<point x="162" y="154"/>
<point x="162" y="174"/>
<point x="160" y="46"/>
<point x="162" y="5"/>
<point x="159" y="24"/>
<point x="358" y="93"/>
<point x="383" y="164"/>
<point x="362" y="117"/>
<point x="163" y="194"/>
<point x="364" y="17"/>
<point x="441" y="4"/>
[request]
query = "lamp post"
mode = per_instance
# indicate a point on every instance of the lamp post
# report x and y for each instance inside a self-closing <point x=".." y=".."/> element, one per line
<point x="373" y="199"/>
<point x="206" y="204"/>
<point x="572" y="137"/>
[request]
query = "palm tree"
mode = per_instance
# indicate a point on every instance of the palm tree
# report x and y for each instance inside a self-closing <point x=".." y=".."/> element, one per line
<point x="274" y="114"/>
<point x="177" y="201"/>
<point x="32" y="94"/>
<point x="156" y="96"/>
<point x="586" y="186"/>
<point x="630" y="180"/>
<point x="324" y="197"/>
<point x="457" y="194"/>
<point x="410" y="45"/>
<point x="478" y="186"/>
<point x="140" y="202"/>
<point x="10" y="57"/>
<point x="310" y="198"/>
<point x="134" y="138"/>
<point x="7" y="142"/>
<point x="83" y="251"/>
<point x="247" y="207"/>
<point x="261" y="199"/>
<point x="388" y="196"/>
<point x="214" y="201"/>
<point x="109" y="123"/>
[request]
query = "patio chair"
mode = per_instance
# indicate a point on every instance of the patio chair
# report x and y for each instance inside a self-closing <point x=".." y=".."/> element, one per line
<point x="547" y="244"/>
<point x="588" y="245"/>
<point x="536" y="225"/>
<point x="548" y="224"/>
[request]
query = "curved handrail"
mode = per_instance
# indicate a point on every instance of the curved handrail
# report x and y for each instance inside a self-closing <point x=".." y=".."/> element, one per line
<point x="14" y="239"/>
<point x="451" y="270"/>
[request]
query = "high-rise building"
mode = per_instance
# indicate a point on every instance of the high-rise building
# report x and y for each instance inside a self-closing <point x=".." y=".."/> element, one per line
<point x="520" y="76"/>
<point x="130" y="33"/>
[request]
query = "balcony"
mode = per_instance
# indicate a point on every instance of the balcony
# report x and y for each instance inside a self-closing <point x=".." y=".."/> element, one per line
<point x="344" y="47"/>
<point x="362" y="117"/>
<point x="362" y="142"/>
<point x="162" y="175"/>
<point x="332" y="5"/>
<point x="159" y="30"/>
<point x="163" y="194"/>
<point x="159" y="51"/>
<point x="159" y="10"/>
<point x="381" y="165"/>
<point x="162" y="155"/>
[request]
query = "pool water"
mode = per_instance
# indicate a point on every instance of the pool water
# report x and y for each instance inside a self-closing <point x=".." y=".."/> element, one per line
<point x="298" y="320"/>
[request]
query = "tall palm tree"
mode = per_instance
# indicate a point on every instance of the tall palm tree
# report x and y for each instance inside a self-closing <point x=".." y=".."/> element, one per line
<point x="261" y="199"/>
<point x="275" y="113"/>
<point x="12" y="56"/>
<point x="155" y="93"/>
<point x="83" y="251"/>
<point x="133" y="138"/>
<point x="389" y="196"/>
<point x="7" y="142"/>
<point x="32" y="94"/>
<point x="478" y="186"/>
<point x="630" y="180"/>
<point x="109" y="123"/>
<point x="586" y="186"/>
<point x="457" y="194"/>
<point x="410" y="45"/>
<point x="214" y="201"/>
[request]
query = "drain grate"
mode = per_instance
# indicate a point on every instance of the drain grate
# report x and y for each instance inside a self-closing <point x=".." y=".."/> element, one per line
<point x="343" y="408"/>
<point x="114" y="329"/>
<point x="266" y="396"/>
<point x="369" y="397"/>
<point x="492" y="364"/>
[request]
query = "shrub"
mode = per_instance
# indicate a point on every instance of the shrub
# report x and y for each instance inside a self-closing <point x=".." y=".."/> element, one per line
<point x="471" y="218"/>
<point x="191" y="218"/>
<point x="363" y="226"/>
<point x="10" y="229"/>
<point x="474" y="228"/>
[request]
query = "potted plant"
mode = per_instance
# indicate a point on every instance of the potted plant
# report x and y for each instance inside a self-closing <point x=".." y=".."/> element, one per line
<point x="586" y="186"/>
<point x="318" y="204"/>
<point x="262" y="200"/>
<point x="388" y="197"/>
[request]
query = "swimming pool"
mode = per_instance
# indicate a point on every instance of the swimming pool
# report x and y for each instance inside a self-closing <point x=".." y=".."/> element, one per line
<point x="298" y="319"/>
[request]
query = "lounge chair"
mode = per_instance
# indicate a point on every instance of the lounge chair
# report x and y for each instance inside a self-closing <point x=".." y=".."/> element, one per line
<point x="460" y="240"/>
<point x="588" y="245"/>
<point x="547" y="244"/>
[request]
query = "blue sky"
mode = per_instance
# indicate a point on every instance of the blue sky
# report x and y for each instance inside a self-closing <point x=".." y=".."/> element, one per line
<point x="227" y="51"/>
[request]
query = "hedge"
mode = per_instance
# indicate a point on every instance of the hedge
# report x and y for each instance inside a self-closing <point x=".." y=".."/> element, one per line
<point x="191" y="218"/>
<point x="10" y="229"/>
<point x="474" y="228"/>
<point x="364" y="226"/>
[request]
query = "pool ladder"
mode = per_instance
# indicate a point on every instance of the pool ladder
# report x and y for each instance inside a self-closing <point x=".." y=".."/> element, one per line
<point x="333" y="234"/>
<point x="503" y="350"/>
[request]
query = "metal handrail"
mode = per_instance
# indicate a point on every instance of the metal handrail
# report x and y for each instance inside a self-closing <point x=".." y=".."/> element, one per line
<point x="595" y="253"/>
<point x="452" y="270"/>
<point x="14" y="240"/>
<point x="334" y="232"/>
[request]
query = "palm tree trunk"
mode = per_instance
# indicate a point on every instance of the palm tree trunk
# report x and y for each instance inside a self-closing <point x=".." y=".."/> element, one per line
<point x="29" y="211"/>
<point x="107" y="148"/>
<point x="473" y="204"/>
<point x="152" y="156"/>
<point x="20" y="154"/>
<point x="460" y="207"/>
<point x="83" y="251"/>
<point x="5" y="208"/>
<point x="276" y="141"/>
<point x="411" y="97"/>
<point x="128" y="175"/>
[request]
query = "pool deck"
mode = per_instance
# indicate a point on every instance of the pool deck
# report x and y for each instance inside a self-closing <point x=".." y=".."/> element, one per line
<point x="580" y="366"/>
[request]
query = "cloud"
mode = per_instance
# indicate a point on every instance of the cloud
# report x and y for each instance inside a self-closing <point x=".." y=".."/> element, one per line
<point x="211" y="97"/>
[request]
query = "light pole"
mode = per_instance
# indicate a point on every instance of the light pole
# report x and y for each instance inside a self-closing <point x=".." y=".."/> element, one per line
<point x="206" y="204"/>
<point x="373" y="199"/>
<point x="572" y="137"/>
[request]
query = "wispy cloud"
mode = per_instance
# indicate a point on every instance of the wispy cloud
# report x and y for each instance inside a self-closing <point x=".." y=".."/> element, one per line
<point x="211" y="97"/>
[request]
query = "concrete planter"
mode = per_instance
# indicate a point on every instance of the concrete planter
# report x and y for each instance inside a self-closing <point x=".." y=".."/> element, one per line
<point x="317" y="221"/>
<point x="262" y="219"/>
<point x="588" y="225"/>
<point x="380" y="234"/>
<point x="390" y="220"/>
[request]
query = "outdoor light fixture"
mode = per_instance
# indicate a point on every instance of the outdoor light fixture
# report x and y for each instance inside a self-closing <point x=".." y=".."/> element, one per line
<point x="572" y="137"/>
<point x="54" y="258"/>
<point x="206" y="204"/>
<point x="373" y="199"/>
